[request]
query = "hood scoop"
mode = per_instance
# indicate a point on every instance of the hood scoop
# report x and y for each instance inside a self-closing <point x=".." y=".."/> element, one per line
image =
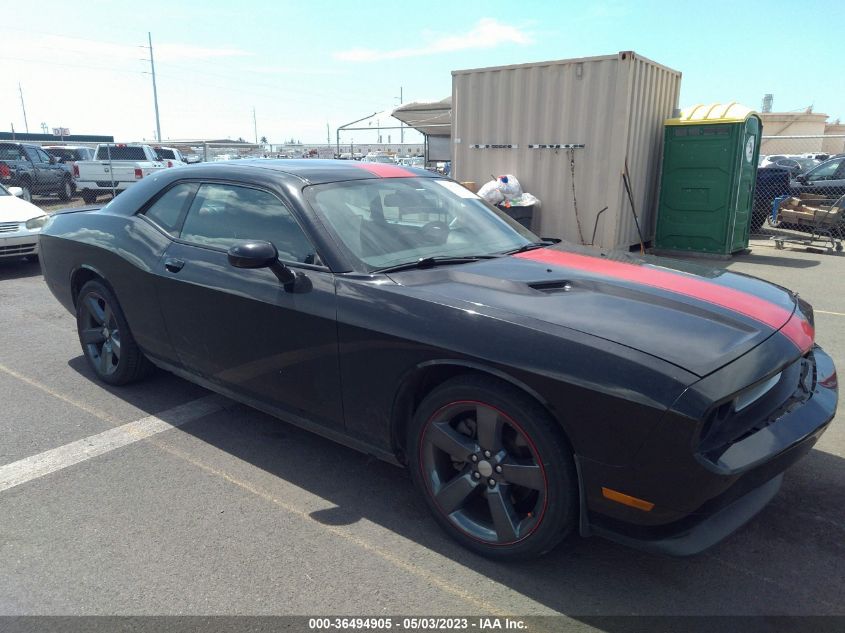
<point x="551" y="286"/>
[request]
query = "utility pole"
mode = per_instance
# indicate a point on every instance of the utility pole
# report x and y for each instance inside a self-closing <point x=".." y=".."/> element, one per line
<point x="23" y="107"/>
<point x="401" y="125"/>
<point x="155" y="91"/>
<point x="328" y="136"/>
<point x="254" y="125"/>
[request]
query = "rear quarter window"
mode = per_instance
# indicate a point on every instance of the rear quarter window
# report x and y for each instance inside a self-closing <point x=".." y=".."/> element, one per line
<point x="168" y="209"/>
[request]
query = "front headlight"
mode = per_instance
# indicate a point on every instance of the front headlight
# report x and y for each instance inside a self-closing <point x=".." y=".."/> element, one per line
<point x="750" y="396"/>
<point x="37" y="223"/>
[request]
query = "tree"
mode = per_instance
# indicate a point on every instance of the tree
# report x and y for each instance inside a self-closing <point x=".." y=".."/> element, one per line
<point x="263" y="140"/>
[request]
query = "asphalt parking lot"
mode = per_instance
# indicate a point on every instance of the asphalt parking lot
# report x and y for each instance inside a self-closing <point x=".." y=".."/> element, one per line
<point x="205" y="506"/>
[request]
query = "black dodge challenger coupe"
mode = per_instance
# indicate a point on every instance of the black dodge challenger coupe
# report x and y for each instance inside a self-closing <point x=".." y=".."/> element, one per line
<point x="532" y="389"/>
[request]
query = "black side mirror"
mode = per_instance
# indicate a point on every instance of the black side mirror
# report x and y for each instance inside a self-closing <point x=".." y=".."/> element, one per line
<point x="53" y="160"/>
<point x="260" y="254"/>
<point x="801" y="178"/>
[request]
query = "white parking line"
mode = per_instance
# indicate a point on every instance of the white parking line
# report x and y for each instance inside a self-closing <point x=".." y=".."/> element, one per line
<point x="36" y="466"/>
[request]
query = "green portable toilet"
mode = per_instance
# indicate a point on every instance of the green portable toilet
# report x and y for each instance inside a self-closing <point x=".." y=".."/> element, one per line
<point x="707" y="189"/>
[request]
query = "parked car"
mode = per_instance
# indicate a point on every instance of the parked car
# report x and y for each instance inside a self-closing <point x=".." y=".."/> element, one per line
<point x="115" y="168"/>
<point x="795" y="164"/>
<point x="827" y="179"/>
<point x="532" y="389"/>
<point x="69" y="154"/>
<point x="20" y="224"/>
<point x="378" y="158"/>
<point x="412" y="161"/>
<point x="170" y="156"/>
<point x="771" y="183"/>
<point x="32" y="169"/>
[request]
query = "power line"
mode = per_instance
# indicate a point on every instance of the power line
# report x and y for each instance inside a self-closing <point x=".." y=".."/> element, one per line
<point x="88" y="66"/>
<point x="62" y="36"/>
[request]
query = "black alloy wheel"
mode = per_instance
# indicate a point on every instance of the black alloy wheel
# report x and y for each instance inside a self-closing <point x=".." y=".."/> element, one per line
<point x="100" y="334"/>
<point x="106" y="340"/>
<point x="503" y="487"/>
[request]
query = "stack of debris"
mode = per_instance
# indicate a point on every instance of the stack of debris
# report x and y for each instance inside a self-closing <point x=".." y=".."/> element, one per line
<point x="812" y="210"/>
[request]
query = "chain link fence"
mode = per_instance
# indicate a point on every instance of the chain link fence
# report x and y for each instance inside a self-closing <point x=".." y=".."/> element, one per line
<point x="800" y="190"/>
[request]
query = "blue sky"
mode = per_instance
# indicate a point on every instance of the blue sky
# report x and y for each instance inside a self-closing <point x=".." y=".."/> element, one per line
<point x="305" y="64"/>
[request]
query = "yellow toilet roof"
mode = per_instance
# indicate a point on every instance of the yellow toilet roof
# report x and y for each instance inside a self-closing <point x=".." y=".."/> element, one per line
<point x="700" y="114"/>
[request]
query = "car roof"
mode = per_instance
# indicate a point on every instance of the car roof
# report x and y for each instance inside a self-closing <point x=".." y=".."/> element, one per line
<point x="317" y="171"/>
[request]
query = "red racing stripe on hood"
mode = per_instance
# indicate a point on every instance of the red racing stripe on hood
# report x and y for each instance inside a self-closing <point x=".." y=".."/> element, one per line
<point x="797" y="329"/>
<point x="383" y="170"/>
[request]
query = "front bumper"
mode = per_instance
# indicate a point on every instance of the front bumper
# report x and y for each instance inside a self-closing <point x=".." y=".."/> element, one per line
<point x="698" y="502"/>
<point x="19" y="243"/>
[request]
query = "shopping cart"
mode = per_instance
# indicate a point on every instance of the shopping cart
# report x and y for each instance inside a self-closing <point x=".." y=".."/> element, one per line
<point x="823" y="217"/>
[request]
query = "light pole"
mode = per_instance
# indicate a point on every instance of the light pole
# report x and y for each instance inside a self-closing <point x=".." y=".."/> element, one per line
<point x="401" y="124"/>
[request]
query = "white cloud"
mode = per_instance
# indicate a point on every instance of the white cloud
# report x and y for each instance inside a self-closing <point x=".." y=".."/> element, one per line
<point x="488" y="33"/>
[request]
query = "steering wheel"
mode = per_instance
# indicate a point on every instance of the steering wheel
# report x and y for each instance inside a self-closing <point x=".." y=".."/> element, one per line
<point x="436" y="232"/>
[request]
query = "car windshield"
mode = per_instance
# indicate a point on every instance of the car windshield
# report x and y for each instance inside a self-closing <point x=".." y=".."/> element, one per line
<point x="64" y="154"/>
<point x="392" y="221"/>
<point x="4" y="191"/>
<point x="805" y="164"/>
<point x="166" y="153"/>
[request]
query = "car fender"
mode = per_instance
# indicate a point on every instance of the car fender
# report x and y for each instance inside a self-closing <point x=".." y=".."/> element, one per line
<point x="403" y="401"/>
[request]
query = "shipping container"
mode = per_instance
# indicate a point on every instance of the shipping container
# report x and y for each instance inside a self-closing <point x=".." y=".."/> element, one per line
<point x="544" y="121"/>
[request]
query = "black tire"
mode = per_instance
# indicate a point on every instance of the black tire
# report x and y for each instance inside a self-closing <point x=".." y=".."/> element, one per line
<point x="66" y="192"/>
<point x="528" y="504"/>
<point x="89" y="197"/>
<point x="107" y="342"/>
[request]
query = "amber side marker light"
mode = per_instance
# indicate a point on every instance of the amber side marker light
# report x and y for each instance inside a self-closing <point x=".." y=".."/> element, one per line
<point x="628" y="500"/>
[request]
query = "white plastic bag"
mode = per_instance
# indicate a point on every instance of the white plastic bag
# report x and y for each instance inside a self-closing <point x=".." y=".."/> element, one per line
<point x="525" y="200"/>
<point x="491" y="193"/>
<point x="509" y="186"/>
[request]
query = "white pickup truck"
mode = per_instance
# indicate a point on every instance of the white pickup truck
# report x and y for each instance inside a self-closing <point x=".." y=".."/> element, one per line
<point x="116" y="166"/>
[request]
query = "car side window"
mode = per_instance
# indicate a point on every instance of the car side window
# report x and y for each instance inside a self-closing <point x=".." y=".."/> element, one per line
<point x="825" y="171"/>
<point x="167" y="211"/>
<point x="222" y="215"/>
<point x="31" y="154"/>
<point x="43" y="156"/>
